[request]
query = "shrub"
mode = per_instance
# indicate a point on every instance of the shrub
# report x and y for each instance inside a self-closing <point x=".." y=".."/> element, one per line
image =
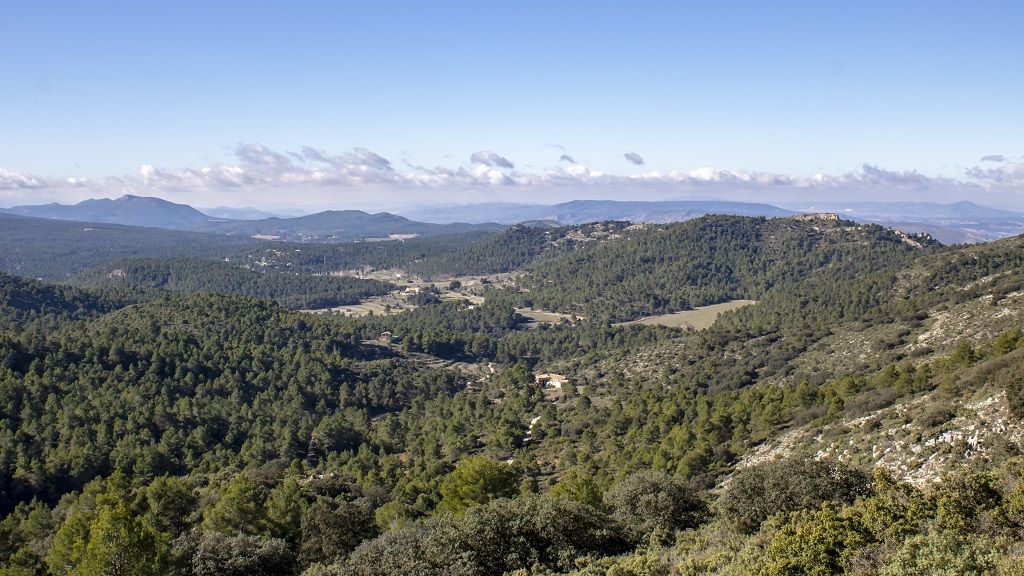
<point x="757" y="493"/>
<point x="654" y="502"/>
<point x="941" y="552"/>
<point x="812" y="543"/>
<point x="220" y="555"/>
<point x="529" y="533"/>
<point x="578" y="486"/>
<point x="330" y="530"/>
<point x="475" y="481"/>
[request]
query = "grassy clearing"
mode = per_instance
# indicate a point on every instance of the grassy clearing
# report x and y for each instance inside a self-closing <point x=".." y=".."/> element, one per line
<point x="398" y="300"/>
<point x="698" y="318"/>
<point x="543" y="316"/>
<point x="379" y="305"/>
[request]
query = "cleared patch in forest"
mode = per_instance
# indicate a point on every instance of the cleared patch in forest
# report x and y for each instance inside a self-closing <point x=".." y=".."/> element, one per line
<point x="696" y="319"/>
<point x="545" y="317"/>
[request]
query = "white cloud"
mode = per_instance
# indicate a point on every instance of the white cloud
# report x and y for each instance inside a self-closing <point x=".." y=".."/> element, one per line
<point x="492" y="159"/>
<point x="634" y="158"/>
<point x="10" y="180"/>
<point x="1008" y="174"/>
<point x="362" y="178"/>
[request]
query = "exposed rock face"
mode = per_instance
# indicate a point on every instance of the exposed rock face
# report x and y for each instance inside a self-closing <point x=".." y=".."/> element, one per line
<point x="817" y="217"/>
<point x="912" y="440"/>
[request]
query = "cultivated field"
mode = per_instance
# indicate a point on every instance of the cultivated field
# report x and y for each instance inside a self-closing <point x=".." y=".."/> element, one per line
<point x="378" y="305"/>
<point x="698" y="318"/>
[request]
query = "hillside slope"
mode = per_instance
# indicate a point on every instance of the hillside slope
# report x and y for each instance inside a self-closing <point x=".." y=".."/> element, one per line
<point x="709" y="260"/>
<point x="57" y="249"/>
<point x="192" y="276"/>
<point x="380" y="445"/>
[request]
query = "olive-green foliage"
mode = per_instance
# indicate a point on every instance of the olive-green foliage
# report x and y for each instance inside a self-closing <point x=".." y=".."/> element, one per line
<point x="813" y="543"/>
<point x="943" y="553"/>
<point x="1012" y="379"/>
<point x="104" y="533"/>
<point x="285" y="507"/>
<point x="579" y="486"/>
<point x="239" y="508"/>
<point x="25" y="537"/>
<point x="895" y="509"/>
<point x="332" y="529"/>
<point x="496" y="538"/>
<point x="171" y="501"/>
<point x="654" y="503"/>
<point x="120" y="544"/>
<point x="755" y="494"/>
<point x="966" y="500"/>
<point x="477" y="480"/>
<point x="242" y="555"/>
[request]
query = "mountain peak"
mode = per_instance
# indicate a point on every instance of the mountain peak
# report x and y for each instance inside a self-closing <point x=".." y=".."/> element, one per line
<point x="129" y="209"/>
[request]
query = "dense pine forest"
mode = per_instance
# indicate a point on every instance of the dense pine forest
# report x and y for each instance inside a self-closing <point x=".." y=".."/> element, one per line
<point x="169" y="409"/>
<point x="195" y="276"/>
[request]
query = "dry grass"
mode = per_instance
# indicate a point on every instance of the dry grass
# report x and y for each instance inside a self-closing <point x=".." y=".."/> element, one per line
<point x="698" y="318"/>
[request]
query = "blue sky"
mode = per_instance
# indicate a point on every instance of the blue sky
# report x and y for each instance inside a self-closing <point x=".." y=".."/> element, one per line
<point x="95" y="90"/>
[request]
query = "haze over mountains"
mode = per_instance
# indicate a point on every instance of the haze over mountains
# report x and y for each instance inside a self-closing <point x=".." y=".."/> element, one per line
<point x="581" y="211"/>
<point x="960" y="222"/>
<point x="128" y="209"/>
<point x="328" y="226"/>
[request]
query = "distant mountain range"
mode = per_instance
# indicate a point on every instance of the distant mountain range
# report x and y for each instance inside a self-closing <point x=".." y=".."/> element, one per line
<point x="956" y="223"/>
<point x="910" y="211"/>
<point x="582" y="211"/>
<point x="240" y="213"/>
<point x="329" y="226"/>
<point x="131" y="210"/>
<point x="340" y="226"/>
<point x="961" y="222"/>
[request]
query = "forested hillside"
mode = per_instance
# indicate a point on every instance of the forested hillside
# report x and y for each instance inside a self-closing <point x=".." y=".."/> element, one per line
<point x="193" y="276"/>
<point x="145" y="431"/>
<point x="709" y="260"/>
<point x="56" y="250"/>
<point x="339" y="226"/>
<point x="28" y="303"/>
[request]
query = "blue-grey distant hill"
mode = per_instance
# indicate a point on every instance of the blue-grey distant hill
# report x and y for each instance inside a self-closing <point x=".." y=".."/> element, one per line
<point x="582" y="211"/>
<point x="239" y="213"/>
<point x="910" y="211"/>
<point x="341" y="226"/>
<point x="329" y="226"/>
<point x="959" y="222"/>
<point x="956" y="223"/>
<point x="128" y="210"/>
